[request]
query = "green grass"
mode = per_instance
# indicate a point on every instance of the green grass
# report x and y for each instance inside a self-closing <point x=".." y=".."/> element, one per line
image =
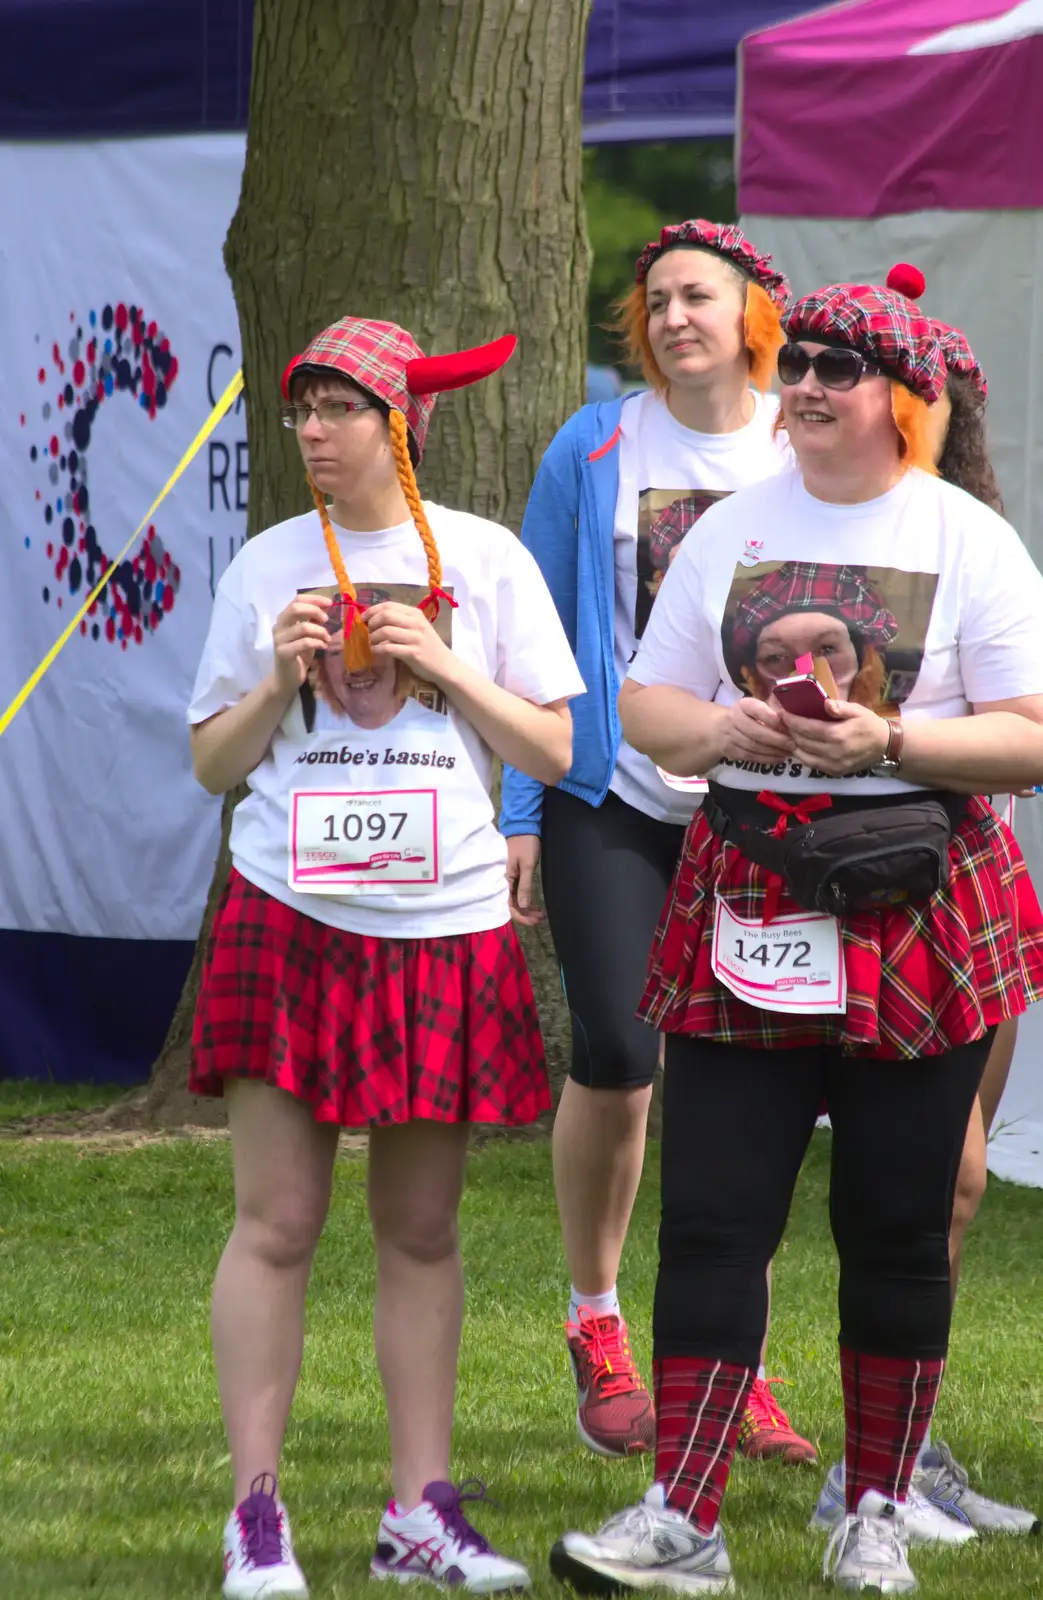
<point x="25" y="1098"/>
<point x="113" y="1468"/>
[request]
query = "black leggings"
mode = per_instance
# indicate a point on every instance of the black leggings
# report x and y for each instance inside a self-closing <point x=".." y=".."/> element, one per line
<point x="898" y="1133"/>
<point x="606" y="871"/>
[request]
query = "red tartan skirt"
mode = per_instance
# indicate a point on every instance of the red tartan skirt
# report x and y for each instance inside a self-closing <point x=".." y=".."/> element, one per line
<point x="921" y="980"/>
<point x="369" y="1032"/>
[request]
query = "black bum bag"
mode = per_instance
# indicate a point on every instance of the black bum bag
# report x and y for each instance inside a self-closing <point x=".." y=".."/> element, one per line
<point x="857" y="854"/>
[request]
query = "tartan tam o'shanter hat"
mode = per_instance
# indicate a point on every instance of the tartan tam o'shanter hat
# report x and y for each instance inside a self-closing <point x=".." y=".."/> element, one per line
<point x="810" y="586"/>
<point x="723" y="239"/>
<point x="881" y="324"/>
<point x="957" y="354"/>
<point x="387" y="362"/>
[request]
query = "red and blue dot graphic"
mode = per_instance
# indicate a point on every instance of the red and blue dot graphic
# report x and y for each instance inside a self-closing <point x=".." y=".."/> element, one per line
<point x="113" y="351"/>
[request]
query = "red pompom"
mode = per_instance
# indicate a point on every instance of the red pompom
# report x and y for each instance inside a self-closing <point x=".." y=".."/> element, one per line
<point x="434" y="374"/>
<point x="907" y="280"/>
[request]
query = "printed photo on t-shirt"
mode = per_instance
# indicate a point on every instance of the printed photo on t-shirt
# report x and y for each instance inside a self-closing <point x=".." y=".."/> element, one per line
<point x="868" y="624"/>
<point x="664" y="516"/>
<point x="371" y="696"/>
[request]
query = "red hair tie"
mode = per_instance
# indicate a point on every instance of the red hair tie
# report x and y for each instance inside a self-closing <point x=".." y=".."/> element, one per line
<point x="435" y="596"/>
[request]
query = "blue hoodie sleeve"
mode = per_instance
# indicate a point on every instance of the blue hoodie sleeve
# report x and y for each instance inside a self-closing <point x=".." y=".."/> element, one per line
<point x="550" y="533"/>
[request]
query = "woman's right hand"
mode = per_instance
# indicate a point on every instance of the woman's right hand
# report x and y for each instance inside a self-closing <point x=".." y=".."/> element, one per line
<point x="523" y="855"/>
<point x="754" y="731"/>
<point x="299" y="631"/>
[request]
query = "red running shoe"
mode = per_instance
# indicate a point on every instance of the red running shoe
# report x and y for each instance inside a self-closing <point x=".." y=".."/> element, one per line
<point x="614" y="1411"/>
<point x="766" y="1432"/>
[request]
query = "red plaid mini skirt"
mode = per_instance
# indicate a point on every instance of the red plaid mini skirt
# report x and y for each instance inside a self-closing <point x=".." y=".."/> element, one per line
<point x="369" y="1032"/>
<point x="920" y="979"/>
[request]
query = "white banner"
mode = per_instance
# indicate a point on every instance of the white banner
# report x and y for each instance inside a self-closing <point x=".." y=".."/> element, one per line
<point x="120" y="332"/>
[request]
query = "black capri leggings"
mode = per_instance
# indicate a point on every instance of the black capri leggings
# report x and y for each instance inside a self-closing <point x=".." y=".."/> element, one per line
<point x="607" y="871"/>
<point x="898" y="1134"/>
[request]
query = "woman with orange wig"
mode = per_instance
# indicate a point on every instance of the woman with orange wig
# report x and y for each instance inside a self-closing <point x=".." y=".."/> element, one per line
<point x="362" y="970"/>
<point x="618" y="490"/>
<point x="850" y="923"/>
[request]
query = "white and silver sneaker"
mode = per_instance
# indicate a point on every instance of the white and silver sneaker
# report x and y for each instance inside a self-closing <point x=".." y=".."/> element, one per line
<point x="943" y="1483"/>
<point x="259" y="1559"/>
<point x="435" y="1543"/>
<point x="867" y="1550"/>
<point x="647" y="1546"/>
<point x="923" y="1522"/>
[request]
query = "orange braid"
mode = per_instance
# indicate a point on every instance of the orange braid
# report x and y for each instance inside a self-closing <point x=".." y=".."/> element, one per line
<point x="407" y="479"/>
<point x="357" y="653"/>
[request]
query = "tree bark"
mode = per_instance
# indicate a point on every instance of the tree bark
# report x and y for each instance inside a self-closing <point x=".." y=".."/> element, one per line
<point x="418" y="162"/>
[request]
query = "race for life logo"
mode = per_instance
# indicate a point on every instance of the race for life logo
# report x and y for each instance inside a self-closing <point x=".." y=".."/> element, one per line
<point x="116" y="351"/>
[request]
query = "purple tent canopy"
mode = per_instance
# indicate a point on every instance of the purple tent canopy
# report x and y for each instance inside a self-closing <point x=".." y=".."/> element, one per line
<point x="78" y="69"/>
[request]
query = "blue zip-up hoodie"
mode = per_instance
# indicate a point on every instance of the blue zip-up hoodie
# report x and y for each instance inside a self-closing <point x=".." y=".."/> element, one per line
<point x="569" y="527"/>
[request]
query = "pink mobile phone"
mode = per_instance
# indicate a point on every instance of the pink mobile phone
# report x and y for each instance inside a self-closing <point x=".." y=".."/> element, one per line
<point x="802" y="695"/>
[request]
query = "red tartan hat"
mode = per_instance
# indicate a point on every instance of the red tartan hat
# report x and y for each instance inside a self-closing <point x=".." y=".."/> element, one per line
<point x="957" y="354"/>
<point x="812" y="586"/>
<point x="724" y="239"/>
<point x="881" y="324"/>
<point x="387" y="362"/>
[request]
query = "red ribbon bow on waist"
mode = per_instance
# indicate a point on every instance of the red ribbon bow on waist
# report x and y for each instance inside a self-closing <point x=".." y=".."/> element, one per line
<point x="802" y="811"/>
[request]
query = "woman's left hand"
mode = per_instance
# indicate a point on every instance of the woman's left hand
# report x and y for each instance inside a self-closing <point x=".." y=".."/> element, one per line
<point x="405" y="633"/>
<point x="851" y="739"/>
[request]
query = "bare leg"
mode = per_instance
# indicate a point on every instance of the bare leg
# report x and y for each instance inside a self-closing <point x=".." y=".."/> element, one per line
<point x="599" y="1151"/>
<point x="970" y="1186"/>
<point x="416" y="1176"/>
<point x="997" y="1071"/>
<point x="283" y="1164"/>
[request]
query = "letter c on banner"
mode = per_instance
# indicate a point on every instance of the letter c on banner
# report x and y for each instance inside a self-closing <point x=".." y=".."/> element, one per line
<point x="115" y="351"/>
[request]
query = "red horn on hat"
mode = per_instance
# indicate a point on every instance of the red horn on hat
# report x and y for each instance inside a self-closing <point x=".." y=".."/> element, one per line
<point x="907" y="280"/>
<point x="433" y="374"/>
<point x="285" y="384"/>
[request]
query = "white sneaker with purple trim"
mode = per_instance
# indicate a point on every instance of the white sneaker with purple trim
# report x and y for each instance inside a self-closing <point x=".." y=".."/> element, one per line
<point x="259" y="1559"/>
<point x="435" y="1543"/>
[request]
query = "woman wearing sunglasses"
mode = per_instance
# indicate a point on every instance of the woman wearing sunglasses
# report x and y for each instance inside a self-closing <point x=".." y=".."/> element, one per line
<point x="940" y="1486"/>
<point x="849" y="923"/>
<point x="616" y="493"/>
<point x="363" y="971"/>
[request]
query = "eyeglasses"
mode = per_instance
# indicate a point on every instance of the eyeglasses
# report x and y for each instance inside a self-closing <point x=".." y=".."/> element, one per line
<point x="834" y="368"/>
<point x="327" y="412"/>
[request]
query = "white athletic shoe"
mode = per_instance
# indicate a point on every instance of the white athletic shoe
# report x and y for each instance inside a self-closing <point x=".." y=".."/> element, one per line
<point x="647" y="1546"/>
<point x="435" y="1543"/>
<point x="259" y="1559"/>
<point x="867" y="1550"/>
<point x="923" y="1522"/>
<point x="943" y="1483"/>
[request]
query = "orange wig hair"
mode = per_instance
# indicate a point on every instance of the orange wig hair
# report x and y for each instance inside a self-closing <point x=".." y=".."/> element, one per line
<point x="910" y="413"/>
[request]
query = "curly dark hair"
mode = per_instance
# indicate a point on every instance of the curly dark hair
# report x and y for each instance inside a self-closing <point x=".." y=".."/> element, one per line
<point x="965" y="459"/>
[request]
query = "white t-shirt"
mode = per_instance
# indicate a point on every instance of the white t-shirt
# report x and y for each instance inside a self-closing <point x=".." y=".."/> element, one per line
<point x="668" y="476"/>
<point x="923" y="600"/>
<point x="505" y="626"/>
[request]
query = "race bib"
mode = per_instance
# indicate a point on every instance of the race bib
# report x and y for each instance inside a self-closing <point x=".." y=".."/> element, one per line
<point x="376" y="841"/>
<point x="794" y="964"/>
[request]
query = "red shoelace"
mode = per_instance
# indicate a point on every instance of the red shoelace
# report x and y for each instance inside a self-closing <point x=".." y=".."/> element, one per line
<point x="607" y="1348"/>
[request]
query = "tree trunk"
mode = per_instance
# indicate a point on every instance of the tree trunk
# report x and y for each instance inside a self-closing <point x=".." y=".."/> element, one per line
<point x="417" y="162"/>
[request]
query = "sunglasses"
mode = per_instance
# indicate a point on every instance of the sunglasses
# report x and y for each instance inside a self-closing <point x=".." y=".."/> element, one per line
<point x="834" y="368"/>
<point x="327" y="411"/>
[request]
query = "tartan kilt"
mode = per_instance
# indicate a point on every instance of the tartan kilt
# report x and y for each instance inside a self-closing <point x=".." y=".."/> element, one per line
<point x="368" y="1032"/>
<point x="921" y="980"/>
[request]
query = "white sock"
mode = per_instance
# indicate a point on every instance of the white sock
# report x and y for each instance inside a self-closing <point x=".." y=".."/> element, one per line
<point x="602" y="1305"/>
<point x="762" y="1373"/>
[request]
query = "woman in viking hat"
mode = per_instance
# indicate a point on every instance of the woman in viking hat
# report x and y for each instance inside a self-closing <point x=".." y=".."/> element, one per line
<point x="619" y="488"/>
<point x="850" y="922"/>
<point x="362" y="970"/>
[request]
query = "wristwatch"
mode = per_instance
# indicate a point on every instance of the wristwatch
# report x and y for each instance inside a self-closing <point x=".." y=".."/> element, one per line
<point x="891" y="760"/>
